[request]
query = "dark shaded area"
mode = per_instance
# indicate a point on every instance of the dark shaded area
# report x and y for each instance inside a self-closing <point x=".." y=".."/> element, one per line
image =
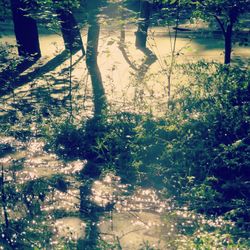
<point x="11" y="72"/>
<point x="5" y="149"/>
<point x="213" y="148"/>
<point x="90" y="211"/>
<point x="115" y="150"/>
<point x="17" y="81"/>
<point x="25" y="30"/>
<point x="84" y="143"/>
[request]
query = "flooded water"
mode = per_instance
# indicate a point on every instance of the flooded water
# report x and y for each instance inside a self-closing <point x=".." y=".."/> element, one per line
<point x="130" y="82"/>
<point x="138" y="218"/>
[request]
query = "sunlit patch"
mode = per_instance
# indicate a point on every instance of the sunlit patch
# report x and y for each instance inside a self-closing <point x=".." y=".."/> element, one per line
<point x="133" y="229"/>
<point x="35" y="146"/>
<point x="73" y="167"/>
<point x="71" y="228"/>
<point x="133" y="84"/>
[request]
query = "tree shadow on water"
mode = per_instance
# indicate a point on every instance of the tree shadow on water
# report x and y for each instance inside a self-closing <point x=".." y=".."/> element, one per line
<point x="91" y="213"/>
<point x="12" y="72"/>
<point x="95" y="128"/>
<point x="150" y="59"/>
<point x="13" y="79"/>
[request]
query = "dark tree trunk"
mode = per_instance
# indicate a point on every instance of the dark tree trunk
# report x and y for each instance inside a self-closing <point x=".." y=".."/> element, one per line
<point x="227" y="31"/>
<point x="69" y="28"/>
<point x="228" y="44"/>
<point x="25" y="30"/>
<point x="142" y="31"/>
<point x="94" y="71"/>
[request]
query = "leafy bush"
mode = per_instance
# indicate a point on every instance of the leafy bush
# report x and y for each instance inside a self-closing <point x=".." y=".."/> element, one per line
<point x="198" y="153"/>
<point x="200" y="150"/>
<point x="67" y="140"/>
<point x="103" y="140"/>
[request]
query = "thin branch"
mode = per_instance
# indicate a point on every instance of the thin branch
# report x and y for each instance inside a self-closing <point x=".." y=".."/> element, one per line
<point x="215" y="16"/>
<point x="221" y="24"/>
<point x="173" y="47"/>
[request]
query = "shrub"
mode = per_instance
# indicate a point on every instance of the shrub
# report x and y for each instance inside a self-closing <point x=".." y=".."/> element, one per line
<point x="104" y="141"/>
<point x="200" y="150"/>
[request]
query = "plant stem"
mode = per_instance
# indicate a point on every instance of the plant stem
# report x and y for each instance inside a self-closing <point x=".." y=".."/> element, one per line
<point x="3" y="197"/>
<point x="173" y="48"/>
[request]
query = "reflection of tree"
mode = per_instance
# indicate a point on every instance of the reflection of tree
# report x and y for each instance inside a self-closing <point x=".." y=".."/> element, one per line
<point x="88" y="209"/>
<point x="122" y="47"/>
<point x="149" y="60"/>
<point x="90" y="213"/>
<point x="142" y="69"/>
<point x="150" y="57"/>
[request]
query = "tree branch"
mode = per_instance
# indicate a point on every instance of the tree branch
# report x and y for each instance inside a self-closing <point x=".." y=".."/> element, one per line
<point x="221" y="24"/>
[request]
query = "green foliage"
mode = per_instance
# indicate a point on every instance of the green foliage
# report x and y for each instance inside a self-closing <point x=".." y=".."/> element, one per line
<point x="226" y="11"/>
<point x="24" y="226"/>
<point x="217" y="240"/>
<point x="8" y="59"/>
<point x="66" y="139"/>
<point x="103" y="140"/>
<point x="4" y="11"/>
<point x="200" y="150"/>
<point x="45" y="11"/>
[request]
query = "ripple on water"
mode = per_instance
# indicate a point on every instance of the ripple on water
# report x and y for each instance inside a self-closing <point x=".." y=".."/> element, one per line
<point x="136" y="218"/>
<point x="134" y="229"/>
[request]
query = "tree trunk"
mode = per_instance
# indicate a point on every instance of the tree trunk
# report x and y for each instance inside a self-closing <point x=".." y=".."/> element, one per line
<point x="70" y="31"/>
<point x="91" y="61"/>
<point x="26" y="31"/>
<point x="142" y="31"/>
<point x="228" y="44"/>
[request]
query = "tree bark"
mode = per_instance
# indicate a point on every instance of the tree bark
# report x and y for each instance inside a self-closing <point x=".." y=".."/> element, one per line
<point x="26" y="31"/>
<point x="228" y="44"/>
<point x="142" y="31"/>
<point x="70" y="31"/>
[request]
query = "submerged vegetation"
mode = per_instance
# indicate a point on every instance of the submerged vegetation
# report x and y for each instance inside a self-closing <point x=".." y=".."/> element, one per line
<point x="78" y="172"/>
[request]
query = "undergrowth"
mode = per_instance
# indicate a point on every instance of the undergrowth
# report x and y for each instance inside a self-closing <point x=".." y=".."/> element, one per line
<point x="198" y="153"/>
